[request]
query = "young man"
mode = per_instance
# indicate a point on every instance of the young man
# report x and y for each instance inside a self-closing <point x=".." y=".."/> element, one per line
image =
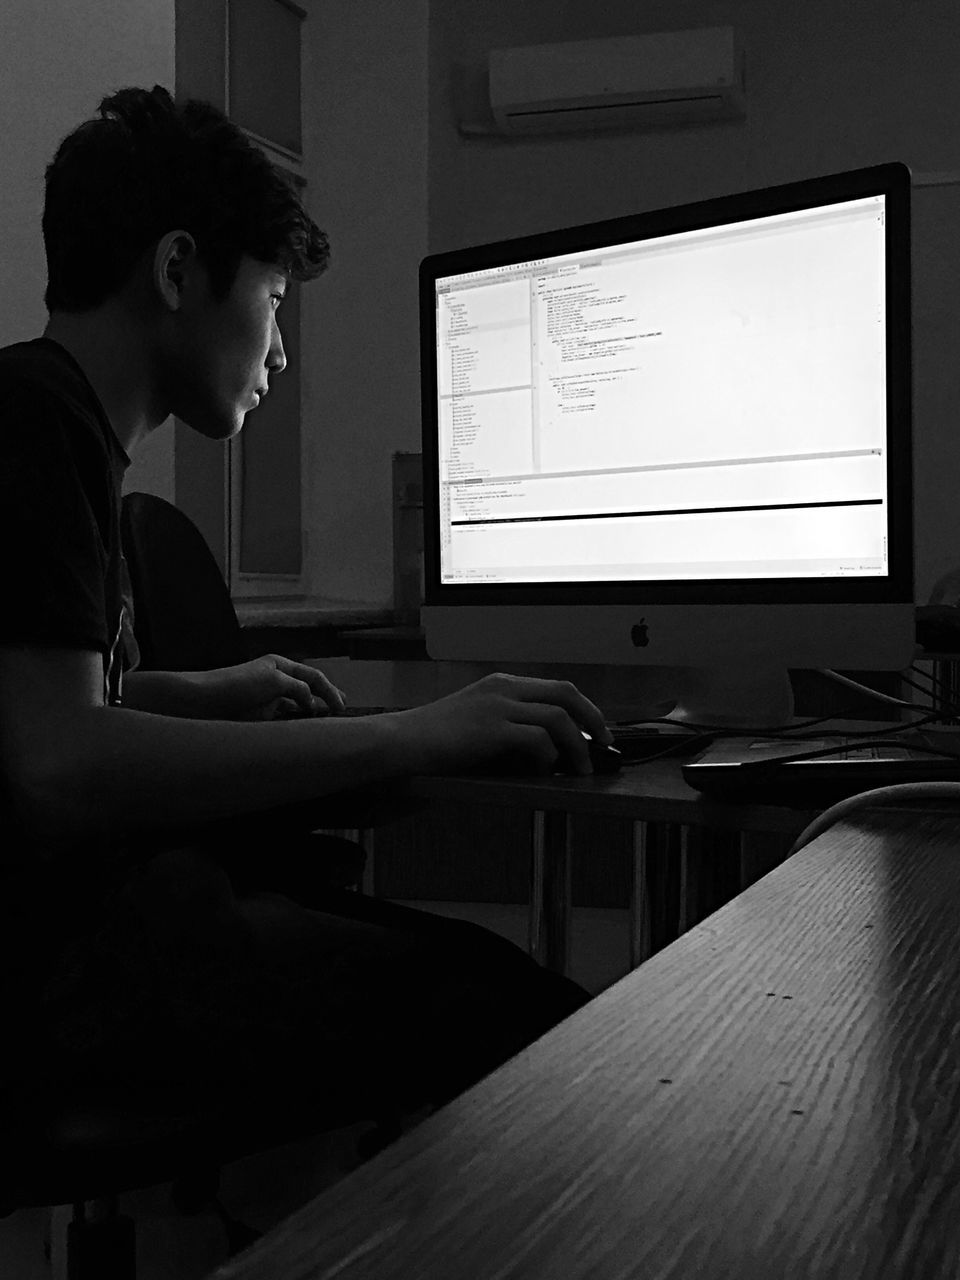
<point x="131" y="954"/>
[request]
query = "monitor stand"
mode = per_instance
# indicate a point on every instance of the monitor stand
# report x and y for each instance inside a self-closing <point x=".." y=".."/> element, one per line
<point x="734" y="697"/>
<point x="731" y="697"/>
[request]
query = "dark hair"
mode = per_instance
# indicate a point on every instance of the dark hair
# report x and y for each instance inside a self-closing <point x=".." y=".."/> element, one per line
<point x="147" y="165"/>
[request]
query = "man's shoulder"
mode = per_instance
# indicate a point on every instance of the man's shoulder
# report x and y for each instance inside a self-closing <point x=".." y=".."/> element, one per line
<point x="46" y="401"/>
<point x="38" y="366"/>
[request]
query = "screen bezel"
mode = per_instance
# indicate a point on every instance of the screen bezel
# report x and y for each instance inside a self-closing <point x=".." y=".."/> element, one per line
<point x="893" y="182"/>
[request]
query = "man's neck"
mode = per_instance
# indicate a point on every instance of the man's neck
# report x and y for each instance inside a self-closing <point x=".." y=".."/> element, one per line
<point x="115" y="358"/>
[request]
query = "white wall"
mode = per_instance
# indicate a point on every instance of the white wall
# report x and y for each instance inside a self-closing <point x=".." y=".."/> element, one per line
<point x="57" y="60"/>
<point x="829" y="87"/>
<point x="365" y="119"/>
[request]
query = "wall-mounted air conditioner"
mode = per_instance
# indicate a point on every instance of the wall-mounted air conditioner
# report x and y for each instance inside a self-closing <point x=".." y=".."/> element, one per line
<point x="629" y="82"/>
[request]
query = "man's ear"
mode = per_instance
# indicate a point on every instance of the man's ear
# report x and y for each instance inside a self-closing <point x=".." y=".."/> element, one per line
<point x="174" y="261"/>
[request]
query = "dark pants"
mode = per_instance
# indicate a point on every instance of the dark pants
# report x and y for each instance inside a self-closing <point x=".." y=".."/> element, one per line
<point x="199" y="973"/>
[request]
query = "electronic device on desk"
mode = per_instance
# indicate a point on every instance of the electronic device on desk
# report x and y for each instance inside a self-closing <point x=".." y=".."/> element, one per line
<point x="671" y="453"/>
<point x="812" y="771"/>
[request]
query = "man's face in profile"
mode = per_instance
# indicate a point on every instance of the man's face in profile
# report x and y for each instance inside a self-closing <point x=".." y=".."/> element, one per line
<point x="226" y="350"/>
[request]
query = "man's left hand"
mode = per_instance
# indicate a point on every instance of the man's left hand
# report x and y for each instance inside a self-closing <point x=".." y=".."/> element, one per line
<point x="269" y="688"/>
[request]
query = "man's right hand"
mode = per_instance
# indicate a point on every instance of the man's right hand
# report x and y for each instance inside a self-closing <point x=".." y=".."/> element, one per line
<point x="505" y="723"/>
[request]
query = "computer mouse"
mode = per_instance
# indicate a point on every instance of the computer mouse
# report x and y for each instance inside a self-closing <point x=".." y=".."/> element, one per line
<point x="604" y="759"/>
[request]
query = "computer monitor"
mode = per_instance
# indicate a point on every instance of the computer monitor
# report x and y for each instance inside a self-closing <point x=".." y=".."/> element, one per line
<point x="679" y="440"/>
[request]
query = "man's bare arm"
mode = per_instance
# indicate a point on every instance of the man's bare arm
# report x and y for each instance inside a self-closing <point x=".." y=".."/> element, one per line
<point x="78" y="768"/>
<point x="261" y="689"/>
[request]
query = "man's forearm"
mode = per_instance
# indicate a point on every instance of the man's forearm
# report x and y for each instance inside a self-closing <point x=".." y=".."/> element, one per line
<point x="123" y="773"/>
<point x="77" y="770"/>
<point x="166" y="693"/>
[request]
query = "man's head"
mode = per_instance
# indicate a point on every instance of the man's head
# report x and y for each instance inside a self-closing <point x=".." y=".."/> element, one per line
<point x="172" y="205"/>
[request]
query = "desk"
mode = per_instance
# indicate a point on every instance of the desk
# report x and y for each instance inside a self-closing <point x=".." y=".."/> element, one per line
<point x="645" y="795"/>
<point x="774" y="1095"/>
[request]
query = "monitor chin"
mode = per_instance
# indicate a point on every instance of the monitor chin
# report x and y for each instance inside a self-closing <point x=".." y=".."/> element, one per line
<point x="734" y="697"/>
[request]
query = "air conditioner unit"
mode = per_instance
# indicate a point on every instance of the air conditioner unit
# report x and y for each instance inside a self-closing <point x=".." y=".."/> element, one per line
<point x="630" y="82"/>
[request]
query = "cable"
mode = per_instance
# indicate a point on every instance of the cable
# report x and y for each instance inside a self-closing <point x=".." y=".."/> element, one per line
<point x="863" y="688"/>
<point x="935" y="681"/>
<point x="946" y="710"/>
<point x="737" y="731"/>
<point x="863" y="739"/>
<point x="796" y="731"/>
<point x="928" y="691"/>
<point x="880" y="795"/>
<point x="772" y="764"/>
<point x="786" y="736"/>
<point x="689" y="742"/>
<point x="937" y="712"/>
<point x="948" y="707"/>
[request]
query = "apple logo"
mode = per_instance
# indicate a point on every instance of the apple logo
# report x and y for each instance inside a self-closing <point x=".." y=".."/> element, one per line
<point x="639" y="634"/>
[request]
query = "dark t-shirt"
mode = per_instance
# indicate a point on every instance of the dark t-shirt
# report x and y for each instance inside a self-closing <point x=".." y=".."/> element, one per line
<point x="61" y="468"/>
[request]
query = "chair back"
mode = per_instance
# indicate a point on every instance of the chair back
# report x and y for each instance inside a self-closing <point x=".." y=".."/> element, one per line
<point x="184" y="619"/>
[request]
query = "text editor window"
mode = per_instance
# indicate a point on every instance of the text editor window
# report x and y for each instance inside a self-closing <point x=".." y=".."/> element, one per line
<point x="711" y="404"/>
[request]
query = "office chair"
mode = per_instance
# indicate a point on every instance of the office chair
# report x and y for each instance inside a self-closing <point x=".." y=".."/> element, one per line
<point x="184" y="617"/>
<point x="184" y="620"/>
<point x="86" y="1145"/>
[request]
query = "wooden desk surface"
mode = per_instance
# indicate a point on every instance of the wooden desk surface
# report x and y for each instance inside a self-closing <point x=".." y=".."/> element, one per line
<point x="775" y="1095"/>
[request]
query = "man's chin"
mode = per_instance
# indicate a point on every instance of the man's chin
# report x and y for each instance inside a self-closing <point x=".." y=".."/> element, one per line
<point x="216" y="426"/>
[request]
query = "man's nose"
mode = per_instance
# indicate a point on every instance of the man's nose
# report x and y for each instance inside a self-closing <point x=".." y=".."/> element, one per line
<point x="276" y="359"/>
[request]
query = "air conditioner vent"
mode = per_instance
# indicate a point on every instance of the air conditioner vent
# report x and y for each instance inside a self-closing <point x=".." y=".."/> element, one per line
<point x="659" y="79"/>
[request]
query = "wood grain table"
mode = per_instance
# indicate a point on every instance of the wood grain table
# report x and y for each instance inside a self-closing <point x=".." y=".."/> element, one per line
<point x="775" y="1095"/>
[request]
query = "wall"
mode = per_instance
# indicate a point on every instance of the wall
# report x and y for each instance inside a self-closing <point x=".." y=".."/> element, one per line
<point x="57" y="60"/>
<point x="365" y="124"/>
<point x="365" y="117"/>
<point x="829" y="87"/>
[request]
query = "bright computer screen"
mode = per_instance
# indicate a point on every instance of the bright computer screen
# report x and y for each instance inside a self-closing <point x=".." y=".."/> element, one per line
<point x="705" y="403"/>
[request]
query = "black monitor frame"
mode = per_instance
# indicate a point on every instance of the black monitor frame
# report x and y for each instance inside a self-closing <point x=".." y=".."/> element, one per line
<point x="892" y="180"/>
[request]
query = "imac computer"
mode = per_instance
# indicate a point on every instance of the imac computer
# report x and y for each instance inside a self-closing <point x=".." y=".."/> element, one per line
<point x="674" y="448"/>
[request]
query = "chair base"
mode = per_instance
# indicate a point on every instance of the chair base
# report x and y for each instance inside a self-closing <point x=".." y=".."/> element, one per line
<point x="102" y="1247"/>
